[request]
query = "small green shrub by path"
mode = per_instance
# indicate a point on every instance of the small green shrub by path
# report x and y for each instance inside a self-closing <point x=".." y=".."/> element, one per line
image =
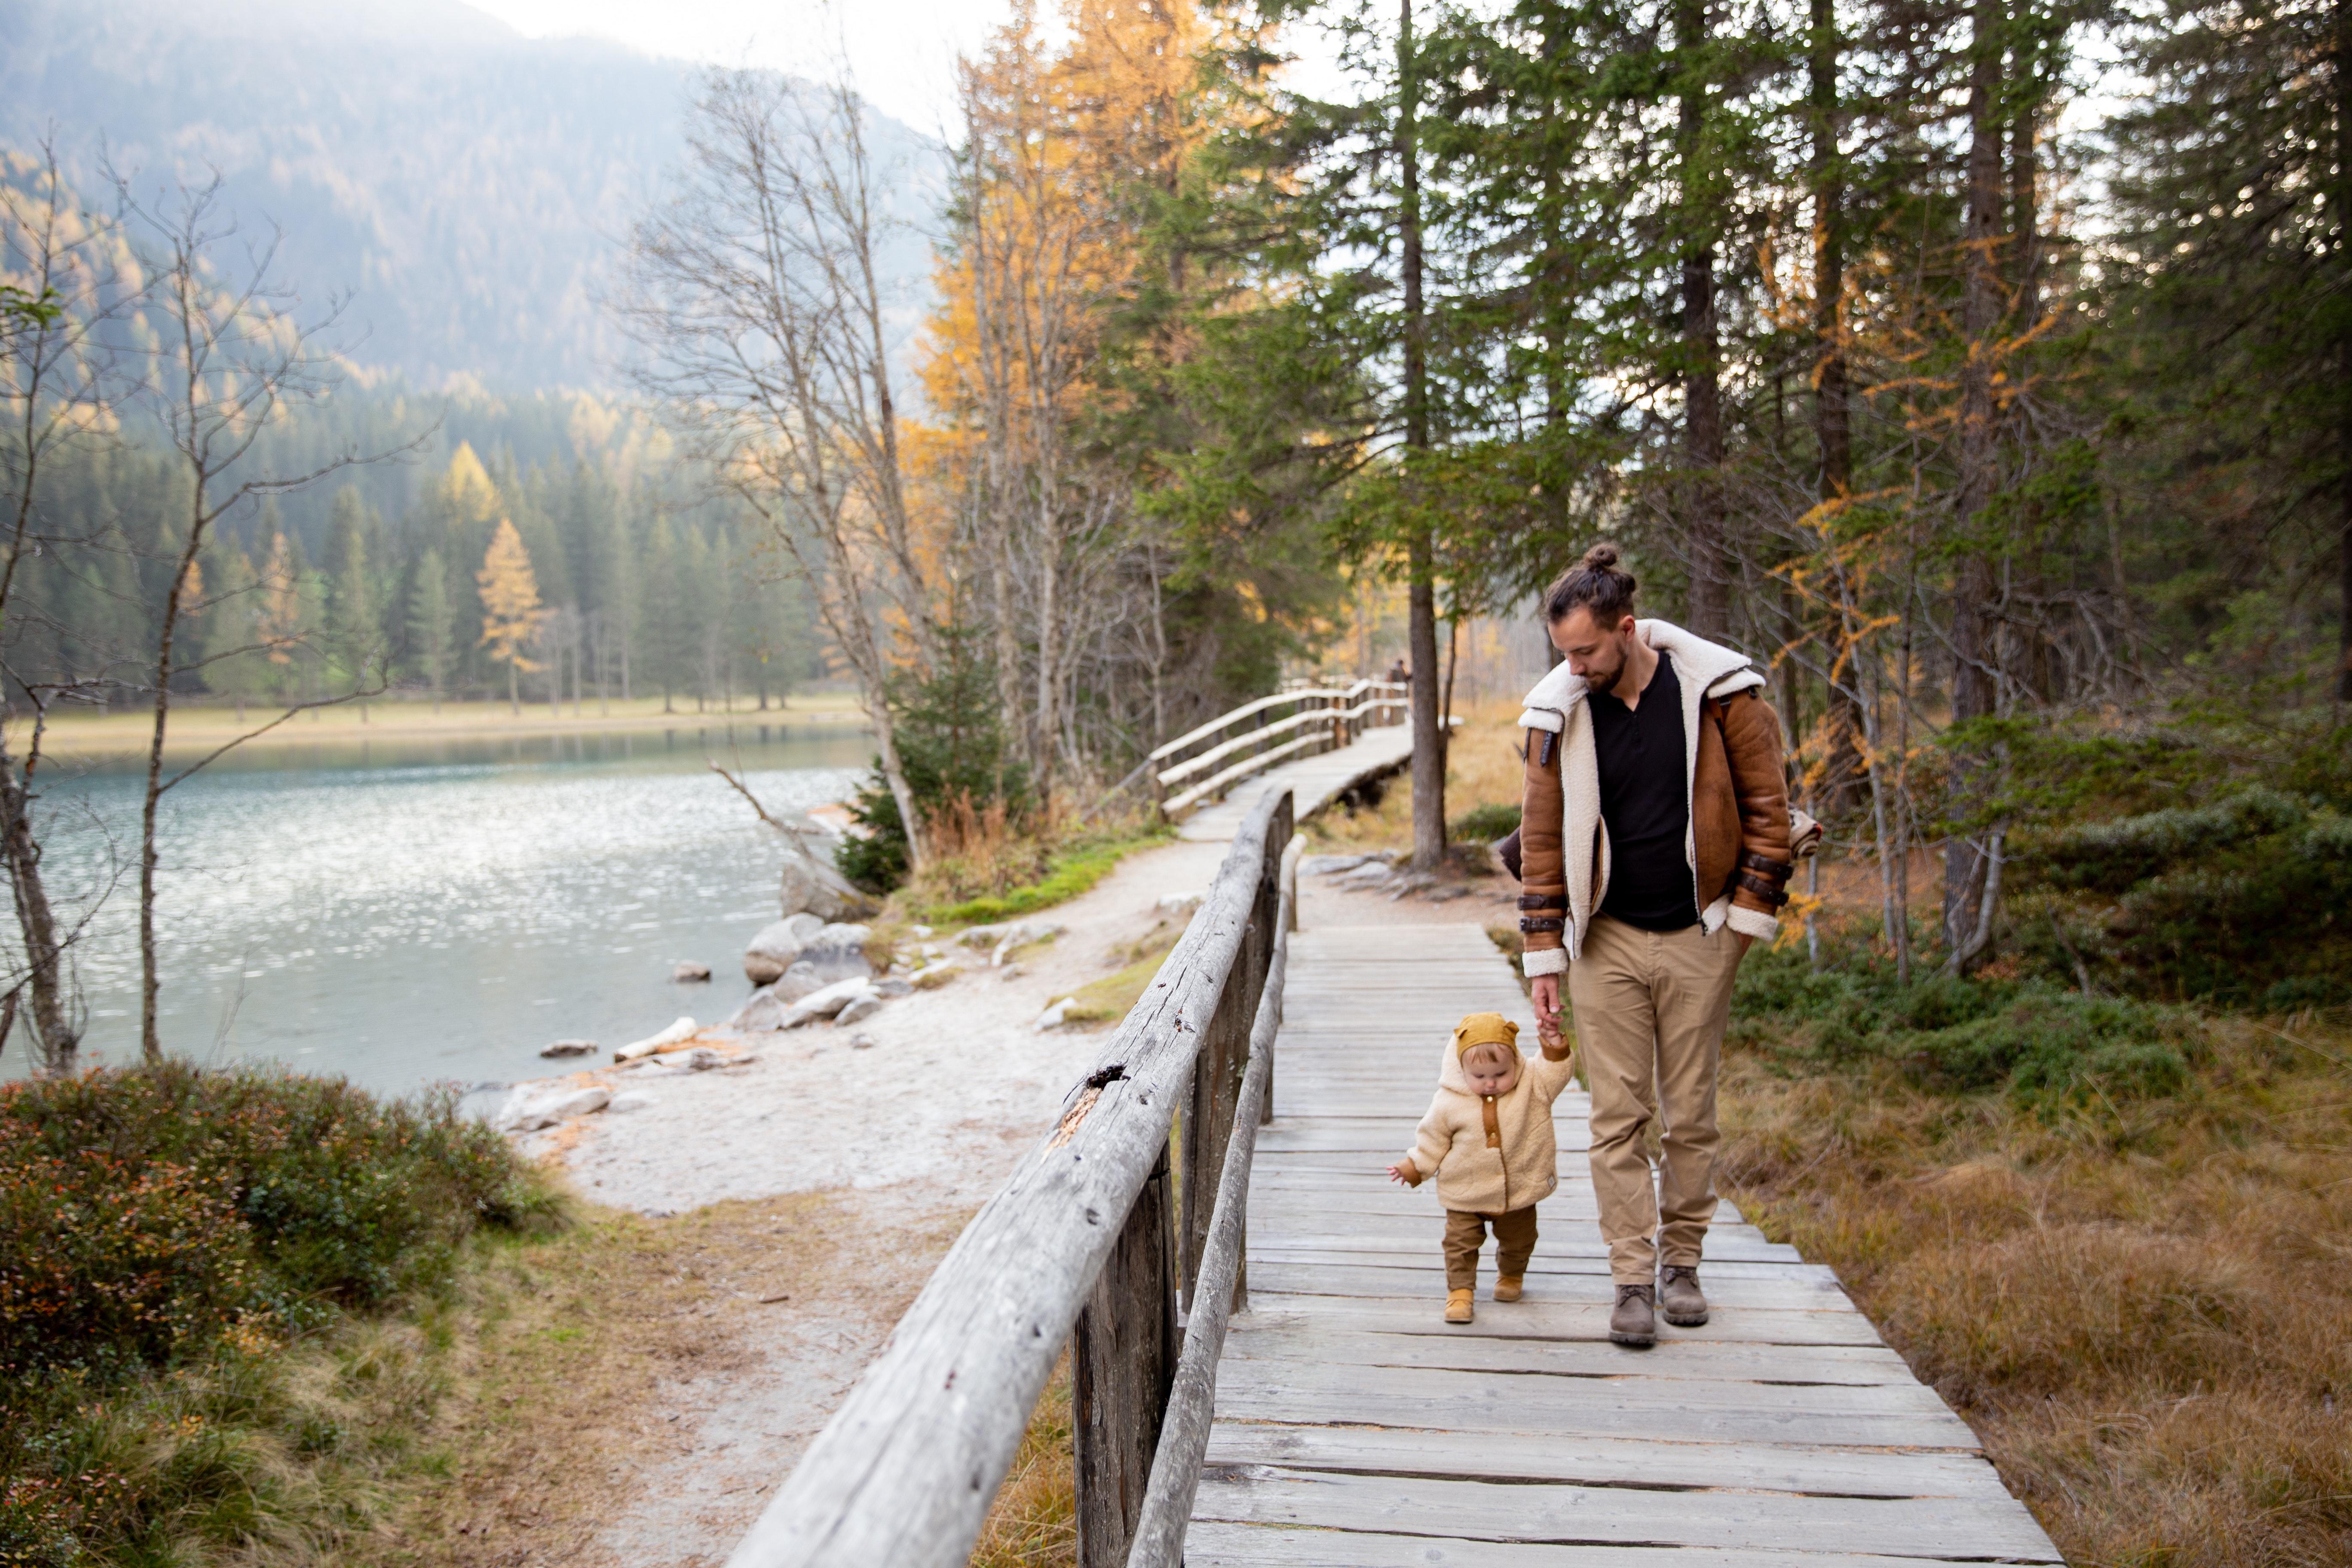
<point x="1484" y="824"/>
<point x="165" y="1234"/>
<point x="1069" y="873"/>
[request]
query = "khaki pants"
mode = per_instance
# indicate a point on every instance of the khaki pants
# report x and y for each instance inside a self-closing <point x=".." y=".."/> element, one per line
<point x="1465" y="1233"/>
<point x="1650" y="1009"/>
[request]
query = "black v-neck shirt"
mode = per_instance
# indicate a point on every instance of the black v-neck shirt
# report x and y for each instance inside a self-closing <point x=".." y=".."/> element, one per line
<point x="1645" y="802"/>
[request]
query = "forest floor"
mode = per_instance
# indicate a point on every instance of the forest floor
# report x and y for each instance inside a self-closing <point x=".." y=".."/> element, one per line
<point x="410" y="717"/>
<point x="754" y="1233"/>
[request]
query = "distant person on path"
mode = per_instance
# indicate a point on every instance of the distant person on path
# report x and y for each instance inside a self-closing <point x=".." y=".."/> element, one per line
<point x="1488" y="1139"/>
<point x="1654" y="847"/>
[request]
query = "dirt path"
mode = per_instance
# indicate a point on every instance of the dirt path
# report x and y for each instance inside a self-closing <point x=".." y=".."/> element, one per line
<point x="908" y="1134"/>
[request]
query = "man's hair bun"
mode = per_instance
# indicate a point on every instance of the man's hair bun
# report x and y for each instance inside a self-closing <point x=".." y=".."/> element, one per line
<point x="1596" y="584"/>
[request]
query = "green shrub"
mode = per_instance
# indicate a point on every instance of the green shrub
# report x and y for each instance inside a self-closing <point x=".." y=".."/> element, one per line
<point x="2028" y="1038"/>
<point x="1484" y="823"/>
<point x="953" y="750"/>
<point x="2236" y="903"/>
<point x="143" y="1212"/>
<point x="163" y="1231"/>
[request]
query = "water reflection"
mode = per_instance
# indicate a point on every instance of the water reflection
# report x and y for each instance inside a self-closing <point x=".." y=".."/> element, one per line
<point x="410" y="910"/>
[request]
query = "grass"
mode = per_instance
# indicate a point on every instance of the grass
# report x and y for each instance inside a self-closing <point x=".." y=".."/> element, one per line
<point x="272" y="1321"/>
<point x="1034" y="1522"/>
<point x="2140" y="1304"/>
<point x="1070" y="871"/>
<point x="1112" y="997"/>
<point x="1484" y="775"/>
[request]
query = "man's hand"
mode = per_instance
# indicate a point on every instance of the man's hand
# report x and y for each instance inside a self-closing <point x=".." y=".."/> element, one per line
<point x="1546" y="988"/>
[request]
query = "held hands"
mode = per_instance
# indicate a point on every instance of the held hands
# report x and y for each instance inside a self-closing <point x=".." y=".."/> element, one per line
<point x="1546" y="991"/>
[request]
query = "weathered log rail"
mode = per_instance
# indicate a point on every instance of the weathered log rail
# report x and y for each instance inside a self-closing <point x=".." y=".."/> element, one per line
<point x="1323" y="719"/>
<point x="1096" y="1240"/>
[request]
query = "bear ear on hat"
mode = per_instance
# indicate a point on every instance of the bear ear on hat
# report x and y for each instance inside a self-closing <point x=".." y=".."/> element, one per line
<point x="1511" y="1029"/>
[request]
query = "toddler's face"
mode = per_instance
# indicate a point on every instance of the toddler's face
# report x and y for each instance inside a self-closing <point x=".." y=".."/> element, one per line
<point x="1491" y="1069"/>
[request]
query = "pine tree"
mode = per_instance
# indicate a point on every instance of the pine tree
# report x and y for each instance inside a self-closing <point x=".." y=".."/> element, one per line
<point x="511" y="607"/>
<point x="432" y="631"/>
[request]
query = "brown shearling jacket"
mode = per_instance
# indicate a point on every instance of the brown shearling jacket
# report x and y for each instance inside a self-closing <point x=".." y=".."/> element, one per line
<point x="1738" y="802"/>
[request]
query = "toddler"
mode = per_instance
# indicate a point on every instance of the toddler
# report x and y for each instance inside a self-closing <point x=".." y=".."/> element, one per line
<point x="1488" y="1140"/>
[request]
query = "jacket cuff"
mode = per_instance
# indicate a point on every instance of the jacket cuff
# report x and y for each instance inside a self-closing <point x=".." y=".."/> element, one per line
<point x="1763" y="927"/>
<point x="1544" y="961"/>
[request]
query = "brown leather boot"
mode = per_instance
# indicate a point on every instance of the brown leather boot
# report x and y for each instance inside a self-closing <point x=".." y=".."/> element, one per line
<point x="1508" y="1286"/>
<point x="1680" y="1297"/>
<point x="1458" y="1308"/>
<point x="1634" y="1322"/>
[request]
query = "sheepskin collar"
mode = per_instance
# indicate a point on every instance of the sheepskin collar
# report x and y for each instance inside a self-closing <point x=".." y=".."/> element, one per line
<point x="1704" y="667"/>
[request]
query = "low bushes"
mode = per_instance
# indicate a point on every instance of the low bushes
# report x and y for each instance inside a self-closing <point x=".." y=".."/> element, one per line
<point x="163" y="1233"/>
<point x="2243" y="902"/>
<point x="2029" y="1038"/>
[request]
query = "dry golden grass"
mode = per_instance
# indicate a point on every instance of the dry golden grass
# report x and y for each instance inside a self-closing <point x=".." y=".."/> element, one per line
<point x="1483" y="767"/>
<point x="548" y="1366"/>
<point x="1034" y="1522"/>
<point x="508" y="1419"/>
<point x="2144" y="1310"/>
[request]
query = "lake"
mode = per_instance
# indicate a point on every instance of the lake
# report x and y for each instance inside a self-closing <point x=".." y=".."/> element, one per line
<point x="412" y="912"/>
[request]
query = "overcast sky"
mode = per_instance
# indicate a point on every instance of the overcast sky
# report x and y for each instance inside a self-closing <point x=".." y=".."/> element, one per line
<point x="902" y="51"/>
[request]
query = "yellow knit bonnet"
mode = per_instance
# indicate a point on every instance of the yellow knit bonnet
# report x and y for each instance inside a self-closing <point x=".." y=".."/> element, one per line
<point x="1484" y="1030"/>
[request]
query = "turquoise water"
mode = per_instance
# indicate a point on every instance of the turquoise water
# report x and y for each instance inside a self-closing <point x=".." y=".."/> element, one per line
<point x="407" y="913"/>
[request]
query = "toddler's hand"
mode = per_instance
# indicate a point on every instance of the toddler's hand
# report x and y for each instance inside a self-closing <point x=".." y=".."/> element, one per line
<point x="1408" y="1174"/>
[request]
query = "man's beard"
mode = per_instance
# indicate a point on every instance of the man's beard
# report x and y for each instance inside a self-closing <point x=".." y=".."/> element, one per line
<point x="1606" y="680"/>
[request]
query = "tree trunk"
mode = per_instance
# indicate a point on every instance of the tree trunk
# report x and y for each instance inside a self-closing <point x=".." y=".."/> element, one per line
<point x="1710" y="586"/>
<point x="1843" y="771"/>
<point x="514" y="692"/>
<point x="57" y="1043"/>
<point x="151" y="1041"/>
<point x="2342" y="199"/>
<point x="1421" y="599"/>
<point x="1981" y="312"/>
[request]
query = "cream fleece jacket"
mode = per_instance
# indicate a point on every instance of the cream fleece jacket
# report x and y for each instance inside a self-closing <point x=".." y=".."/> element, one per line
<point x="1515" y="1165"/>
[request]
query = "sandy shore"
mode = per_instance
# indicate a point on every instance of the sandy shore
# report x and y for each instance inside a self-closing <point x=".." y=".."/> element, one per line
<point x="911" y="1133"/>
<point x="197" y="730"/>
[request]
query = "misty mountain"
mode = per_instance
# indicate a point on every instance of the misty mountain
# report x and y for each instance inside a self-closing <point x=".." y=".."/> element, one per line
<point x="469" y="188"/>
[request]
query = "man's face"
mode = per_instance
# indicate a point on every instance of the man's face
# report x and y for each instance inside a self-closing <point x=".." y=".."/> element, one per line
<point x="1597" y="653"/>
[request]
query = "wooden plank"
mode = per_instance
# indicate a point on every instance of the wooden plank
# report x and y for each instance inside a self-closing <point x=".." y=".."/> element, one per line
<point x="1615" y="1461"/>
<point x="1565" y="1319"/>
<point x="1725" y="1292"/>
<point x="1690" y="1410"/>
<point x="1591" y="1262"/>
<point x="1735" y="1245"/>
<point x="1728" y="1520"/>
<point x="1214" y="1543"/>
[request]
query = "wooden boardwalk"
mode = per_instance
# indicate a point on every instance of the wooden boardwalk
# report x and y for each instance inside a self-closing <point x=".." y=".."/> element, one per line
<point x="1355" y="1429"/>
<point x="1314" y="782"/>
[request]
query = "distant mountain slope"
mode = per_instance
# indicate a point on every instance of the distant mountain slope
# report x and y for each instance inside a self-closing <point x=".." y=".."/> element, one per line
<point x="469" y="187"/>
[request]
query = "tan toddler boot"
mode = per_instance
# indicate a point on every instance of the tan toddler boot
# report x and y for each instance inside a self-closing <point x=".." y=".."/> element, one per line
<point x="1507" y="1287"/>
<point x="1457" y="1306"/>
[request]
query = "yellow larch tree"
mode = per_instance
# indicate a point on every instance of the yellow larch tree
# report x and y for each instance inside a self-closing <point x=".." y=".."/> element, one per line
<point x="511" y="612"/>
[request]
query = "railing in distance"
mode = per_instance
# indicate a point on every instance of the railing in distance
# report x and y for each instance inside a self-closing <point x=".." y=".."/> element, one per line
<point x="1324" y="719"/>
<point x="1095" y="1240"/>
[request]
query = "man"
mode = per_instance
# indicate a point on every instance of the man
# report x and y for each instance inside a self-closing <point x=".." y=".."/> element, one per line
<point x="1654" y="847"/>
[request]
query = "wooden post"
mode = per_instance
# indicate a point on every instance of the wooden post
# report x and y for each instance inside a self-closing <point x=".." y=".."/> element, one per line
<point x="1124" y="1358"/>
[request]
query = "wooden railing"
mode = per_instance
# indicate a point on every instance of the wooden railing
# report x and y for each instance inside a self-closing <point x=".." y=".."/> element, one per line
<point x="1200" y="765"/>
<point x="1126" y="1219"/>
